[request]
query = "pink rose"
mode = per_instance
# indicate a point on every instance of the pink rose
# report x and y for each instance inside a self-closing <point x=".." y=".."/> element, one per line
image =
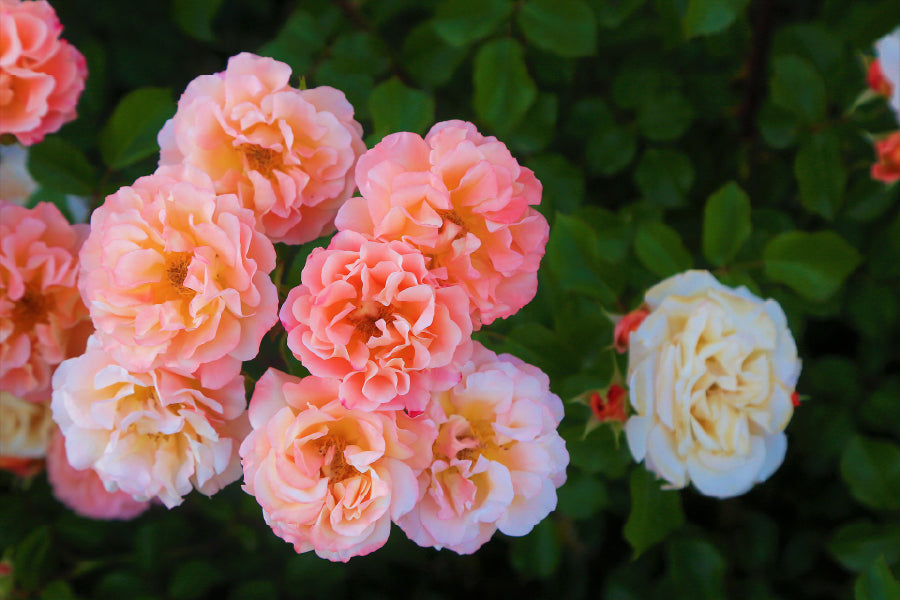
<point x="330" y="478"/>
<point x="42" y="318"/>
<point x="464" y="201"/>
<point x="83" y="491"/>
<point x="287" y="153"/>
<point x="41" y="75"/>
<point x="498" y="458"/>
<point x="177" y="276"/>
<point x="154" y="434"/>
<point x="370" y="314"/>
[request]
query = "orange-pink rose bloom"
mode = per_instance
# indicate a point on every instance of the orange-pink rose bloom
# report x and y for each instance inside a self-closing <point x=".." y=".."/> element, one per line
<point x="465" y="202"/>
<point x="497" y="460"/>
<point x="156" y="434"/>
<point x="83" y="491"/>
<point x="370" y="314"/>
<point x="177" y="276"/>
<point x="887" y="169"/>
<point x="41" y="75"/>
<point x="287" y="153"/>
<point x="330" y="478"/>
<point x="42" y="318"/>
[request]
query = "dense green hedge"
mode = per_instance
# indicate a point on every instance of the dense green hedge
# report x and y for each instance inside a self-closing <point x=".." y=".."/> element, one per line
<point x="668" y="134"/>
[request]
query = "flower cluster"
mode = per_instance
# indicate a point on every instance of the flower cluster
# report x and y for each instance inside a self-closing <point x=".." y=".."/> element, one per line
<point x="41" y="75"/>
<point x="404" y="418"/>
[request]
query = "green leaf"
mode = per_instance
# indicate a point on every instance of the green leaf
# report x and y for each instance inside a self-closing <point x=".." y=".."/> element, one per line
<point x="537" y="128"/>
<point x="563" y="183"/>
<point x="814" y="265"/>
<point x="395" y="107"/>
<point x="34" y="558"/>
<point x="660" y="249"/>
<point x="696" y="569"/>
<point x="598" y="452"/>
<point x="856" y="545"/>
<point x="461" y="22"/>
<point x="798" y="87"/>
<point x="726" y="223"/>
<point x="878" y="583"/>
<point x="130" y="134"/>
<point x="582" y="496"/>
<point x="778" y="126"/>
<point x="193" y="579"/>
<point x="504" y="91"/>
<point x="666" y="117"/>
<point x="612" y="13"/>
<point x="871" y="469"/>
<point x="59" y="166"/>
<point x="195" y="17"/>
<point x="664" y="177"/>
<point x="538" y="553"/>
<point x="705" y="17"/>
<point x="610" y="149"/>
<point x="564" y="27"/>
<point x="428" y="59"/>
<point x="58" y="590"/>
<point x="572" y="255"/>
<point x="654" y="513"/>
<point x="299" y="39"/>
<point x="820" y="174"/>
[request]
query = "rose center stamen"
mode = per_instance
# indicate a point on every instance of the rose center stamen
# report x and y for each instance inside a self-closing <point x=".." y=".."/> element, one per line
<point x="30" y="309"/>
<point x="176" y="271"/>
<point x="366" y="316"/>
<point x="451" y="216"/>
<point x="262" y="160"/>
<point x="336" y="469"/>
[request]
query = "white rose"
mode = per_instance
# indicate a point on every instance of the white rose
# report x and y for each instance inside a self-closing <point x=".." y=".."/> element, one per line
<point x="24" y="427"/>
<point x="888" y="51"/>
<point x="711" y="371"/>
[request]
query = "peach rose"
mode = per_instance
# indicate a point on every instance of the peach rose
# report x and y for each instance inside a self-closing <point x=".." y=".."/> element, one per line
<point x="330" y="478"/>
<point x="370" y="314"/>
<point x="888" y="51"/>
<point x="287" y="153"/>
<point x="710" y="371"/>
<point x="42" y="318"/>
<point x="463" y="200"/>
<point x="887" y="169"/>
<point x="498" y="458"/>
<point x="24" y="428"/>
<point x="83" y="491"/>
<point x="16" y="183"/>
<point x="177" y="276"/>
<point x="153" y="434"/>
<point x="41" y="75"/>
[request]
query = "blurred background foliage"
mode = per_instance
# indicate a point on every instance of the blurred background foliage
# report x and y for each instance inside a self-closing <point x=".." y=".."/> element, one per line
<point x="668" y="134"/>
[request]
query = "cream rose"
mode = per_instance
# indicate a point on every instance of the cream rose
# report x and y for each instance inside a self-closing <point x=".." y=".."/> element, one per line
<point x="711" y="371"/>
<point x="24" y="427"/>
